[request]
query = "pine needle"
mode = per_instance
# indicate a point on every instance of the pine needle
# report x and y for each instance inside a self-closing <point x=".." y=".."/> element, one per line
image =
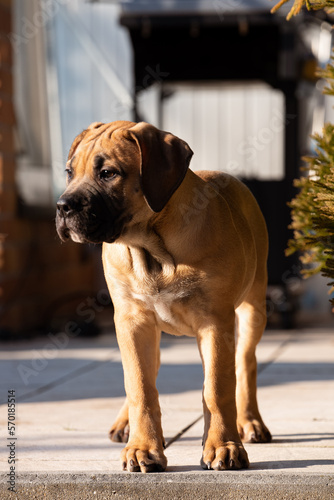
<point x="298" y="4"/>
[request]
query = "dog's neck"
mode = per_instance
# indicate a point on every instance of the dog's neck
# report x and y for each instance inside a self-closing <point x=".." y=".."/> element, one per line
<point x="148" y="251"/>
<point x="155" y="244"/>
<point x="183" y="217"/>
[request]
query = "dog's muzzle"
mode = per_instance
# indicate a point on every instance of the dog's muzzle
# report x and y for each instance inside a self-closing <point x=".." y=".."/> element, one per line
<point x="86" y="220"/>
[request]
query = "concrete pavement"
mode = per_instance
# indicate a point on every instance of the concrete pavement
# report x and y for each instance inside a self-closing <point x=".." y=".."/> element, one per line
<point x="67" y="392"/>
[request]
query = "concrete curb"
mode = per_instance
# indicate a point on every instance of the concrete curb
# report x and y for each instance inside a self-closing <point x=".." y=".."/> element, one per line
<point x="211" y="485"/>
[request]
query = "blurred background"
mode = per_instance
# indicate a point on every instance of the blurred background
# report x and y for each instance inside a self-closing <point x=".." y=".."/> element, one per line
<point x="237" y="83"/>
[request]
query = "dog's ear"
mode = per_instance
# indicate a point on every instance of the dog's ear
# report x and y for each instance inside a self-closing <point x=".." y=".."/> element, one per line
<point x="164" y="162"/>
<point x="76" y="143"/>
<point x="80" y="137"/>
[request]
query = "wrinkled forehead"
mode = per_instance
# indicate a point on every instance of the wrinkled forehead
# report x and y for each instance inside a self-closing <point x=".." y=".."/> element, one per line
<point x="106" y="140"/>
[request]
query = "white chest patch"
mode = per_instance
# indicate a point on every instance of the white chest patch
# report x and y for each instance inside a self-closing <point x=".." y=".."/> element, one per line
<point x="161" y="287"/>
<point x="161" y="303"/>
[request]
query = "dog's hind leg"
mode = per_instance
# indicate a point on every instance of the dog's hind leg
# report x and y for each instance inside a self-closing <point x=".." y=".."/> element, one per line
<point x="251" y="316"/>
<point x="120" y="429"/>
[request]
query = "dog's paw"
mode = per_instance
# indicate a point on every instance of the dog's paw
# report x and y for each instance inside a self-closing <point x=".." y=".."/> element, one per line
<point x="224" y="456"/>
<point x="119" y="432"/>
<point x="134" y="459"/>
<point x="254" y="431"/>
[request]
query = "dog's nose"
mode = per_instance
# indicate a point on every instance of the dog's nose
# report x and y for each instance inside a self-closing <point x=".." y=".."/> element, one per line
<point x="65" y="206"/>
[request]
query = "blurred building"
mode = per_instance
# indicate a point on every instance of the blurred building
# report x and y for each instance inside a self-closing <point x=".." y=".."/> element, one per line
<point x="234" y="81"/>
<point x="37" y="273"/>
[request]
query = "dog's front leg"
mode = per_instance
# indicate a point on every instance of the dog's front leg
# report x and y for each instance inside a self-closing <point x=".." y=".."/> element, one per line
<point x="138" y="339"/>
<point x="222" y="448"/>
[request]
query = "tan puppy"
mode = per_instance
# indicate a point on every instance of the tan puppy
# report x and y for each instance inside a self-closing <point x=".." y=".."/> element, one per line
<point x="184" y="253"/>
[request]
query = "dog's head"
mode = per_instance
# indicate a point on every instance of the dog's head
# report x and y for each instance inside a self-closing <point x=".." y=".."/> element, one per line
<point x="118" y="173"/>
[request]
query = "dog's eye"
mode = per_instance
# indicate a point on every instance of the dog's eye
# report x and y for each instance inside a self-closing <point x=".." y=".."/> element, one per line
<point x="107" y="174"/>
<point x="69" y="173"/>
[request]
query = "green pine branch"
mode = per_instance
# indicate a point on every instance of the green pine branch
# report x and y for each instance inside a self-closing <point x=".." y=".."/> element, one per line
<point x="312" y="209"/>
<point x="309" y="4"/>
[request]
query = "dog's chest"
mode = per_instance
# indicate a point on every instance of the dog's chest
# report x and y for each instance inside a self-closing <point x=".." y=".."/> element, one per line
<point x="173" y="292"/>
<point x="170" y="299"/>
<point x="162" y="302"/>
